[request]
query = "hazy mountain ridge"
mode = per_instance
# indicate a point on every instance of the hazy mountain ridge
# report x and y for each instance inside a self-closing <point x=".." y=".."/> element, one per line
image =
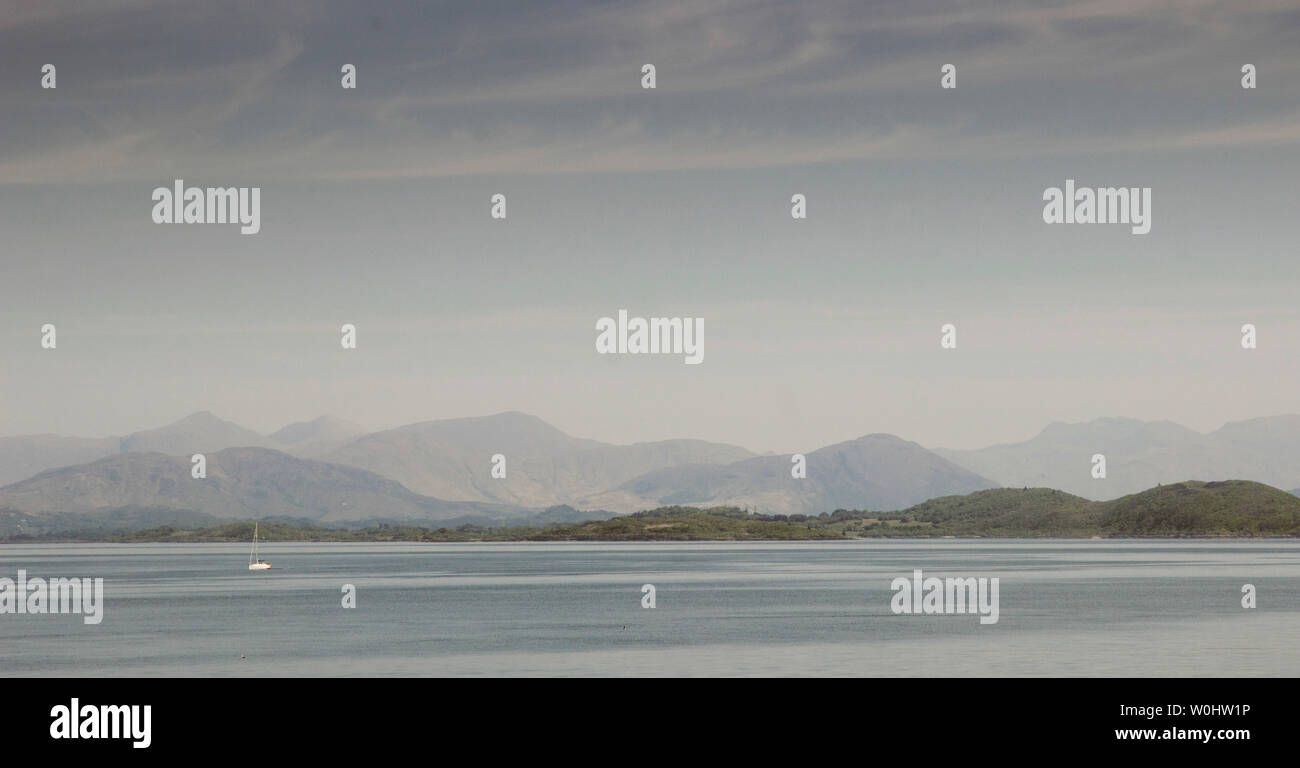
<point x="545" y="469"/>
<point x="1141" y="454"/>
<point x="309" y="439"/>
<point x="241" y="483"/>
<point x="430" y="465"/>
<point x="426" y="467"/>
<point x="544" y="466"/>
<point x="24" y="456"/>
<point x="874" y="472"/>
<point x="197" y="433"/>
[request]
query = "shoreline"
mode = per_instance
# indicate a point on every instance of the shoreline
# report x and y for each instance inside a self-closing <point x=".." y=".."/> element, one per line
<point x="720" y="540"/>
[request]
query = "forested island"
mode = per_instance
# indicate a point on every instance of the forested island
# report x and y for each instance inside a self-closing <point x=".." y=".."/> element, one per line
<point x="1232" y="508"/>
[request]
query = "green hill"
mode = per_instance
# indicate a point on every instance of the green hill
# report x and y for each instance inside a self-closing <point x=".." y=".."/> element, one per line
<point x="1008" y="512"/>
<point x="1225" y="508"/>
<point x="1192" y="508"/>
<point x="666" y="524"/>
<point x="685" y="524"/>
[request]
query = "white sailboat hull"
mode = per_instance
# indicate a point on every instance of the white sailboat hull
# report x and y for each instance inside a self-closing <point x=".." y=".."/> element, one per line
<point x="255" y="563"/>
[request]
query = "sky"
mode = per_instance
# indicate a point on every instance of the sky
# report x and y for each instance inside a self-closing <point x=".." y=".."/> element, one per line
<point x="924" y="208"/>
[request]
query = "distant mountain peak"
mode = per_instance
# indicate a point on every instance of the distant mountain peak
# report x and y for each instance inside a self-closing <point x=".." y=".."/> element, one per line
<point x="884" y="436"/>
<point x="300" y="430"/>
<point x="320" y="435"/>
<point x="197" y="433"/>
<point x="1141" y="454"/>
<point x="200" y="416"/>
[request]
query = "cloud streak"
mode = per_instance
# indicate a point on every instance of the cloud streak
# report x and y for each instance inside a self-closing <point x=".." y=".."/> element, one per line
<point x="453" y="91"/>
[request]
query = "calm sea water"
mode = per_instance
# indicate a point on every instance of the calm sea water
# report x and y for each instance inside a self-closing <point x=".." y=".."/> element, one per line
<point x="1066" y="608"/>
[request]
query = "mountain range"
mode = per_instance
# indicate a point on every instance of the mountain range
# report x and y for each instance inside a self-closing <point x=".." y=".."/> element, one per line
<point x="23" y="456"/>
<point x="329" y="470"/>
<point x="544" y="466"/>
<point x="872" y="472"/>
<point x="1141" y="454"/>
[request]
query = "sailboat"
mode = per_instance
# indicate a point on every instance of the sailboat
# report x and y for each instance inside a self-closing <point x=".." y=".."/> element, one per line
<point x="254" y="562"/>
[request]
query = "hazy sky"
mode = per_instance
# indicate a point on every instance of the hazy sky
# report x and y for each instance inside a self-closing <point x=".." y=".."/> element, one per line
<point x="924" y="208"/>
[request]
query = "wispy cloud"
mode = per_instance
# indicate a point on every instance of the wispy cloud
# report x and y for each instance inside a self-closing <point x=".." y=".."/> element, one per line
<point x="532" y="88"/>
